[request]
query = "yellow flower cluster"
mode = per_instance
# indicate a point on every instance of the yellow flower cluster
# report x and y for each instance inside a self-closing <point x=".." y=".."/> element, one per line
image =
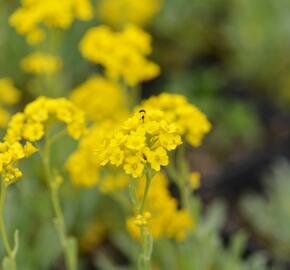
<point x="165" y="219"/>
<point x="121" y="12"/>
<point x="106" y="99"/>
<point x="10" y="153"/>
<point x="142" y="220"/>
<point x="30" y="18"/>
<point x="30" y="125"/>
<point x="9" y="95"/>
<point x="41" y="63"/>
<point x="145" y="138"/>
<point x="82" y="165"/>
<point x="123" y="54"/>
<point x="192" y="123"/>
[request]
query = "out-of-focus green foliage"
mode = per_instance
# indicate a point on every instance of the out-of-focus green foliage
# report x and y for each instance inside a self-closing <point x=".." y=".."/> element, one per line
<point x="269" y="216"/>
<point x="232" y="117"/>
<point x="259" y="37"/>
<point x="203" y="250"/>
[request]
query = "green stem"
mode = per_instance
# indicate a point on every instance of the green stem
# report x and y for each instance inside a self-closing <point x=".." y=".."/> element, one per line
<point x="9" y="262"/>
<point x="2" y="224"/>
<point x="146" y="238"/>
<point x="147" y="185"/>
<point x="68" y="244"/>
<point x="183" y="177"/>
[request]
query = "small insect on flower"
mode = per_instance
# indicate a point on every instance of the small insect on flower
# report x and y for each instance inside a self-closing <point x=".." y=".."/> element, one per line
<point x="142" y="112"/>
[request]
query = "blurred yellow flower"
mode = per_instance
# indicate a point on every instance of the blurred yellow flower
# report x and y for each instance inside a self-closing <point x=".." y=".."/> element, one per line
<point x="121" y="12"/>
<point x="82" y="165"/>
<point x="32" y="15"/>
<point x="191" y="122"/>
<point x="41" y="63"/>
<point x="194" y="180"/>
<point x="9" y="95"/>
<point x="100" y="98"/>
<point x="93" y="234"/>
<point x="163" y="217"/>
<point x="123" y="54"/>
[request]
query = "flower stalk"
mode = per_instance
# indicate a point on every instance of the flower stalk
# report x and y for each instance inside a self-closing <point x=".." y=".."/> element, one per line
<point x="9" y="262"/>
<point x="146" y="238"/>
<point x="68" y="243"/>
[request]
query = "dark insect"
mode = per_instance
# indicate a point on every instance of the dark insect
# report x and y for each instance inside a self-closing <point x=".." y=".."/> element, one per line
<point x="143" y="114"/>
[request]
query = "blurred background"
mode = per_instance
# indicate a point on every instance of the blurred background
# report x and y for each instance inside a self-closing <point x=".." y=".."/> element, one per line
<point x="231" y="59"/>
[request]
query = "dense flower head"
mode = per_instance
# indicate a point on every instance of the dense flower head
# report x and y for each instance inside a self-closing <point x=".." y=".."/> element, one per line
<point x="106" y="99"/>
<point x="162" y="216"/>
<point x="32" y="15"/>
<point x="144" y="138"/>
<point x="9" y="95"/>
<point x="30" y="125"/>
<point x="82" y="165"/>
<point x="41" y="63"/>
<point x="121" y="12"/>
<point x="123" y="54"/>
<point x="192" y="123"/>
<point x="10" y="153"/>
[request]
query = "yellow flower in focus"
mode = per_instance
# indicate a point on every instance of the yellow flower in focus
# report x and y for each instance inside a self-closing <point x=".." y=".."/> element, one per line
<point x="9" y="95"/>
<point x="40" y="63"/>
<point x="136" y="146"/>
<point x="162" y="216"/>
<point x="194" y="180"/>
<point x="191" y="122"/>
<point x="33" y="16"/>
<point x="100" y="99"/>
<point x="123" y="54"/>
<point x="10" y="153"/>
<point x="30" y="124"/>
<point x="157" y="158"/>
<point x="121" y="12"/>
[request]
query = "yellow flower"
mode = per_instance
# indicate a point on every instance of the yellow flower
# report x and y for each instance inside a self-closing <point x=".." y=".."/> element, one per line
<point x="100" y="98"/>
<point x="10" y="153"/>
<point x="134" y="166"/>
<point x="123" y="54"/>
<point x="191" y="123"/>
<point x="194" y="180"/>
<point x="33" y="16"/>
<point x="33" y="131"/>
<point x="29" y="125"/>
<point x="157" y="158"/>
<point x="117" y="157"/>
<point x="162" y="215"/>
<point x="40" y="63"/>
<point x="113" y="183"/>
<point x="9" y="95"/>
<point x="136" y="140"/>
<point x="121" y="12"/>
<point x="139" y="146"/>
<point x="29" y="149"/>
<point x="82" y="164"/>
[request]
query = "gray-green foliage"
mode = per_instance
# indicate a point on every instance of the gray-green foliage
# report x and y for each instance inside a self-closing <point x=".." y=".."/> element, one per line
<point x="269" y="215"/>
